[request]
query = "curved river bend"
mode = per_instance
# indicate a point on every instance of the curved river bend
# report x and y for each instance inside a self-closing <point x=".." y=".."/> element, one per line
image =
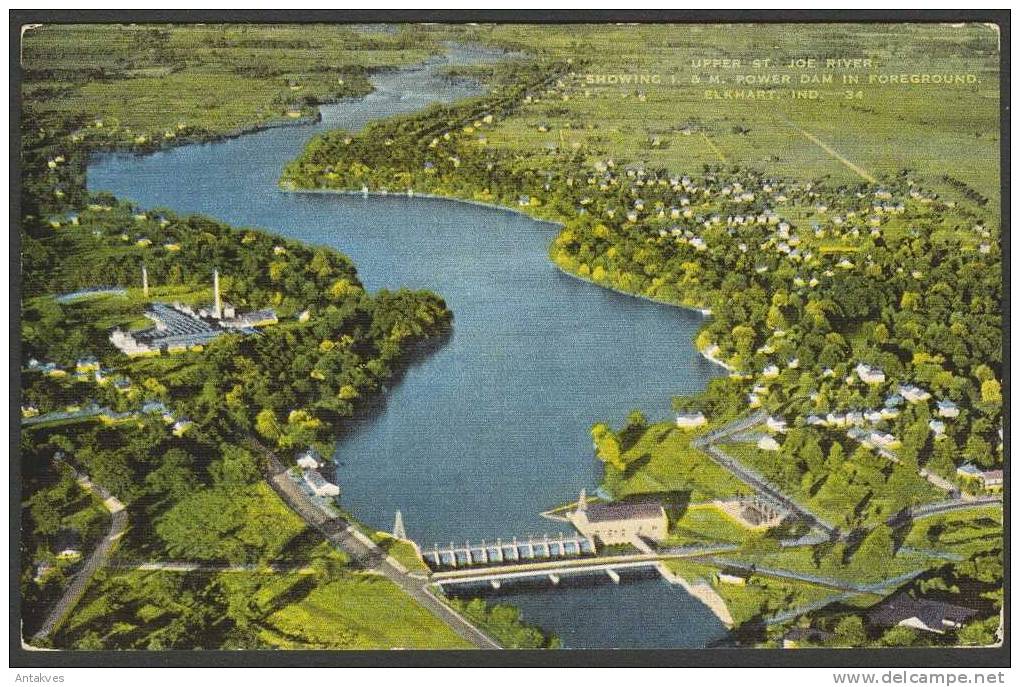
<point x="482" y="435"/>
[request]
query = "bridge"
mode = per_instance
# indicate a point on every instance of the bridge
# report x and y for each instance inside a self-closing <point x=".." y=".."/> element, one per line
<point x="530" y="549"/>
<point x="555" y="570"/>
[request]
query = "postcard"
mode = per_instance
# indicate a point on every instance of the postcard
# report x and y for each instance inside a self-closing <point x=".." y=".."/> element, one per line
<point x="437" y="336"/>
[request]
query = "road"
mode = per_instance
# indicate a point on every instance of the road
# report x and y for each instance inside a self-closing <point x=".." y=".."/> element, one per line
<point x="364" y="553"/>
<point x="97" y="559"/>
<point x="761" y="485"/>
<point x="582" y="564"/>
<point x="202" y="566"/>
<point x="939" y="507"/>
<point x="880" y="587"/>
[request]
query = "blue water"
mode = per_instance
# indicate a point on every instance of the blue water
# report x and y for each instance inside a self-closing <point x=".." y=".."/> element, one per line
<point x="481" y="435"/>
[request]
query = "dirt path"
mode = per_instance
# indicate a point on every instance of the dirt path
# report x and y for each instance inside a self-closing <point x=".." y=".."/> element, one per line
<point x="859" y="171"/>
<point x="714" y="147"/>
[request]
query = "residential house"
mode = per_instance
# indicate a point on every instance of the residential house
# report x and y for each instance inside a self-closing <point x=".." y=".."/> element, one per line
<point x="947" y="408"/>
<point x="913" y="394"/>
<point x="690" y="420"/>
<point x="870" y="375"/>
<point x="319" y="485"/>
<point x="922" y="614"/>
<point x="310" y="459"/>
<point x="88" y="364"/>
<point x="989" y="479"/>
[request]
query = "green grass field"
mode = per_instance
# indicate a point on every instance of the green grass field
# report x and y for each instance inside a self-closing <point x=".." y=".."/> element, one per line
<point x="357" y="612"/>
<point x="964" y="533"/>
<point x="706" y="524"/>
<point x="148" y="85"/>
<point x="200" y="610"/>
<point x="662" y="460"/>
<point x="879" y="129"/>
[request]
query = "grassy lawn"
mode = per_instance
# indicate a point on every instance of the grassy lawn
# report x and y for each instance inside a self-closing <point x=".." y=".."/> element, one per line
<point x="706" y="523"/>
<point x="166" y="81"/>
<point x="402" y="551"/>
<point x="249" y="524"/>
<point x="663" y="461"/>
<point x="200" y="610"/>
<point x="963" y="532"/>
<point x="802" y="560"/>
<point x="760" y="598"/>
<point x="357" y="612"/>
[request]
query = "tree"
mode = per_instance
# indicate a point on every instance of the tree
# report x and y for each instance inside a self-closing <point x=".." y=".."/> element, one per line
<point x="849" y="632"/>
<point x="267" y="425"/>
<point x="876" y="549"/>
<point x="636" y="420"/>
<point x="991" y="391"/>
<point x="607" y="446"/>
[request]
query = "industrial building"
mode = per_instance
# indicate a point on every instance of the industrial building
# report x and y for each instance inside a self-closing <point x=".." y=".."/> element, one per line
<point x="179" y="327"/>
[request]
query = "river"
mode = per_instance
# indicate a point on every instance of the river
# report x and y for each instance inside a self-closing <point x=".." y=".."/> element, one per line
<point x="480" y="436"/>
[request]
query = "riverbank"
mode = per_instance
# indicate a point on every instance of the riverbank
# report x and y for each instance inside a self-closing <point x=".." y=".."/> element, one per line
<point x="702" y="591"/>
<point x="287" y="187"/>
<point x="508" y="291"/>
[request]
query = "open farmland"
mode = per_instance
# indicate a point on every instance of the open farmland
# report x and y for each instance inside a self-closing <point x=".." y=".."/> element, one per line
<point x="881" y="128"/>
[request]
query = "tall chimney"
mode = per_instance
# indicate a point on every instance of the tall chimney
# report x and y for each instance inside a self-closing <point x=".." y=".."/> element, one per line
<point x="145" y="282"/>
<point x="217" y="310"/>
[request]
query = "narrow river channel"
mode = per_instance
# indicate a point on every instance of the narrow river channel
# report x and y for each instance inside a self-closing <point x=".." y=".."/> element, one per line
<point x="483" y="434"/>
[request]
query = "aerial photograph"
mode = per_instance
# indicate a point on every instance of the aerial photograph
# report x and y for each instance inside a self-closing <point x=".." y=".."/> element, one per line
<point x="502" y="336"/>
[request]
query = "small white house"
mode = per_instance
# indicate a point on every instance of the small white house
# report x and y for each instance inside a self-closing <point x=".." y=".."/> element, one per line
<point x="309" y="459"/>
<point x="690" y="420"/>
<point x="770" y="372"/>
<point x="768" y="444"/>
<point x="776" y="424"/>
<point x="989" y="479"/>
<point x="913" y="394"/>
<point x="870" y="375"/>
<point x="968" y="471"/>
<point x="937" y="427"/>
<point x="319" y="485"/>
<point x="947" y="408"/>
<point x="883" y="439"/>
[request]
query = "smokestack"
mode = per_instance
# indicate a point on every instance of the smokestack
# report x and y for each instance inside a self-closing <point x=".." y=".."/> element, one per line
<point x="145" y="282"/>
<point x="217" y="310"/>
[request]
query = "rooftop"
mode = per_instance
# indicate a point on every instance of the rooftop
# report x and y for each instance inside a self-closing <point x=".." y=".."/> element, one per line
<point x="606" y="512"/>
<point x="932" y="613"/>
